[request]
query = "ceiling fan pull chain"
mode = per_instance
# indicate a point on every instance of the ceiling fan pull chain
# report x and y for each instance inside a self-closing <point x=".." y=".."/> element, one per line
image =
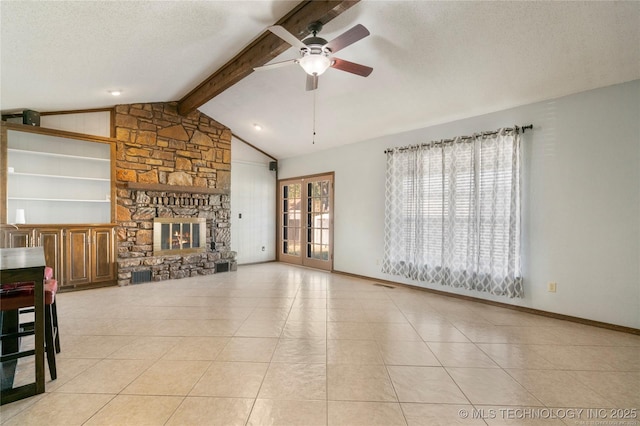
<point x="313" y="141"/>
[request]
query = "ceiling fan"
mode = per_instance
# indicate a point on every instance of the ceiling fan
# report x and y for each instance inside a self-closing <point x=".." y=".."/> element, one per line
<point x="316" y="52"/>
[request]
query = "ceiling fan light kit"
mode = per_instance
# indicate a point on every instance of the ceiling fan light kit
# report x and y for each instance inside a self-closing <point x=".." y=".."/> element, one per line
<point x="315" y="64"/>
<point x="316" y="53"/>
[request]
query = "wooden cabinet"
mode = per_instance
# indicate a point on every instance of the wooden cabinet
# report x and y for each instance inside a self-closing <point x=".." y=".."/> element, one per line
<point x="51" y="240"/>
<point x="90" y="255"/>
<point x="14" y="238"/>
<point x="103" y="252"/>
<point x="79" y="254"/>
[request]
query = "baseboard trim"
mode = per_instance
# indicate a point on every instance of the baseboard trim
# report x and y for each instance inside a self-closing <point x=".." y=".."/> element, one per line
<point x="90" y="286"/>
<point x="525" y="309"/>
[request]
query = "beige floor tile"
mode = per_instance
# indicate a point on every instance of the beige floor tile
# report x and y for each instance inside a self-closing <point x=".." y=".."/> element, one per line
<point x="343" y="304"/>
<point x="425" y="384"/>
<point x="440" y="333"/>
<point x="479" y="332"/>
<point x="294" y="382"/>
<point x="407" y="353"/>
<point x="214" y="327"/>
<point x="305" y="330"/>
<point x="378" y="304"/>
<point x="92" y="346"/>
<point x="460" y="355"/>
<point x="255" y="328"/>
<point x="269" y="412"/>
<point x="14" y="408"/>
<point x="67" y="369"/>
<point x="248" y="349"/>
<point x="149" y="347"/>
<point x="106" y="376"/>
<point x="558" y="388"/>
<point x="168" y="377"/>
<point x="309" y="301"/>
<point x="622" y="388"/>
<point x="353" y="352"/>
<point x="349" y="331"/>
<point x="530" y="335"/>
<point x="365" y="413"/>
<point x="439" y="415"/>
<point x="584" y="358"/>
<point x="136" y="410"/>
<point x="491" y="386"/>
<point x="212" y="412"/>
<point x="389" y="332"/>
<point x="60" y="409"/>
<point x="579" y="334"/>
<point x="231" y="379"/>
<point x="516" y="356"/>
<point x="385" y="316"/>
<point x="197" y="349"/>
<point x="269" y="314"/>
<point x="301" y="351"/>
<point x="346" y="315"/>
<point x="359" y="383"/>
<point x="307" y="314"/>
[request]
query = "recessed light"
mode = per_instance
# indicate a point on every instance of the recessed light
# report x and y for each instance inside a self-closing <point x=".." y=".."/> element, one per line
<point x="257" y="127"/>
<point x="115" y="92"/>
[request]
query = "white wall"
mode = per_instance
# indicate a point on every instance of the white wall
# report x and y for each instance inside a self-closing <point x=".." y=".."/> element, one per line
<point x="253" y="190"/>
<point x="581" y="206"/>
<point x="96" y="123"/>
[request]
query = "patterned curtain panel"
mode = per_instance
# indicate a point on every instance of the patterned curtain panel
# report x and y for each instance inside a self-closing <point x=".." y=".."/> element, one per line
<point x="452" y="213"/>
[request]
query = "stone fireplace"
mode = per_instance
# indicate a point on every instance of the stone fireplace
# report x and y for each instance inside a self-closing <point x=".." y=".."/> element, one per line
<point x="179" y="236"/>
<point x="172" y="174"/>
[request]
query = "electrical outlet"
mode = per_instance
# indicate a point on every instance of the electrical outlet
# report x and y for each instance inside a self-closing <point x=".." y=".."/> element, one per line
<point x="551" y="287"/>
<point x="262" y="248"/>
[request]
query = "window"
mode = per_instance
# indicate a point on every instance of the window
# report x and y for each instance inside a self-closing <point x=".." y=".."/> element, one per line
<point x="453" y="213"/>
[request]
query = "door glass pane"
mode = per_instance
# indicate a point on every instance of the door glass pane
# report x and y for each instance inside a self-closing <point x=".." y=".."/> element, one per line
<point x="318" y="219"/>
<point x="291" y="214"/>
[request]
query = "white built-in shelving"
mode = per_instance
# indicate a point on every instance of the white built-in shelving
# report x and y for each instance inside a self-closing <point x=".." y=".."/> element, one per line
<point x="56" y="179"/>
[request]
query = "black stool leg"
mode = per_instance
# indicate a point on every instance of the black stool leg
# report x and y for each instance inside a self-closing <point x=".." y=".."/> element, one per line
<point x="54" y="314"/>
<point x="48" y="342"/>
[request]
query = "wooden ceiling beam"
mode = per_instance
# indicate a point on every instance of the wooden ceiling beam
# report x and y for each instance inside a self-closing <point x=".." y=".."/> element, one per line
<point x="265" y="48"/>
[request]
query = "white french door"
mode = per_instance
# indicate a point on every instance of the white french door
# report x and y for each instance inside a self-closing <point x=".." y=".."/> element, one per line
<point x="305" y="221"/>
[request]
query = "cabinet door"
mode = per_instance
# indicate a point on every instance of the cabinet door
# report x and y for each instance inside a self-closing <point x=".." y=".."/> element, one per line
<point x="51" y="240"/>
<point x="14" y="238"/>
<point x="77" y="261"/>
<point x="102" y="255"/>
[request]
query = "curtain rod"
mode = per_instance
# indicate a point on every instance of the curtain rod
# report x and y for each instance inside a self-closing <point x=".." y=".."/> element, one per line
<point x="475" y="135"/>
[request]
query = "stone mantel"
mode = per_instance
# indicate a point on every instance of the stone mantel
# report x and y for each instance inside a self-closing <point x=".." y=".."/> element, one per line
<point x="140" y="186"/>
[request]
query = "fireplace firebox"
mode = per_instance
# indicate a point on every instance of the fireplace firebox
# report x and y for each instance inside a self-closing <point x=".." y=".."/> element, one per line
<point x="179" y="235"/>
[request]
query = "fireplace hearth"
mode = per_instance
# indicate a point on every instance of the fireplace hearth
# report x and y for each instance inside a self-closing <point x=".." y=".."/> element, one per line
<point x="179" y="236"/>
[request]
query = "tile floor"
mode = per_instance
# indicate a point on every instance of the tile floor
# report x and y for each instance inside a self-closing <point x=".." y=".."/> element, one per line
<point x="273" y="344"/>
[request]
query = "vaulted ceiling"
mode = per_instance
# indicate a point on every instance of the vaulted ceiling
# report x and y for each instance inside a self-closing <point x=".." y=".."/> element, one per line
<point x="433" y="61"/>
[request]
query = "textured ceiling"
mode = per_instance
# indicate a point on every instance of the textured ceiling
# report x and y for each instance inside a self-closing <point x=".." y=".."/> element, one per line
<point x="433" y="61"/>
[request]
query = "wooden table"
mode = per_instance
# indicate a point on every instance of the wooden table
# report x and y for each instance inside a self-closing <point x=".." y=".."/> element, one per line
<point x="26" y="265"/>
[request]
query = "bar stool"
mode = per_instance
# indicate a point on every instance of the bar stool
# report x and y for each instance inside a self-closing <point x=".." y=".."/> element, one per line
<point x="18" y="298"/>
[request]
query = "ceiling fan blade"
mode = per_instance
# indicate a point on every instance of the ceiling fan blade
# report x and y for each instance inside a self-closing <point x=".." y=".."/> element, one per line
<point x="281" y="32"/>
<point x="312" y="82"/>
<point x="276" y="65"/>
<point x="348" y="38"/>
<point x="351" y="67"/>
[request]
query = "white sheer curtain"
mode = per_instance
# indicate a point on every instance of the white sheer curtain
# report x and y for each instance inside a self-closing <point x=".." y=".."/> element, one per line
<point x="453" y="213"/>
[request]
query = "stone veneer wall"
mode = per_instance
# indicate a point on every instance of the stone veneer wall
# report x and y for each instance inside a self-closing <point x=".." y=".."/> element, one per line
<point x="156" y="145"/>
